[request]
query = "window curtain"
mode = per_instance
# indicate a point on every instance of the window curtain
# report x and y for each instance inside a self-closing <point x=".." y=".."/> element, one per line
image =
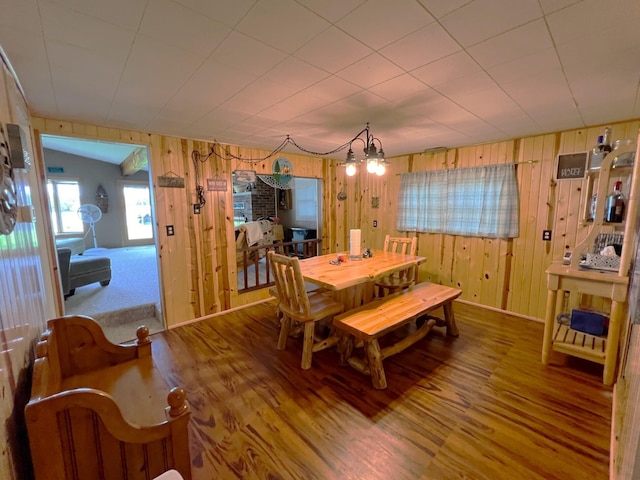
<point x="477" y="201"/>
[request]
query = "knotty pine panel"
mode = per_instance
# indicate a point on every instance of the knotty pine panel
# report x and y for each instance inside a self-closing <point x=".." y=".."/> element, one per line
<point x="23" y="300"/>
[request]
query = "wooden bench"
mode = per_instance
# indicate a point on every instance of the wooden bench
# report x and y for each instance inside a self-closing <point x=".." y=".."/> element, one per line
<point x="379" y="317"/>
<point x="101" y="410"/>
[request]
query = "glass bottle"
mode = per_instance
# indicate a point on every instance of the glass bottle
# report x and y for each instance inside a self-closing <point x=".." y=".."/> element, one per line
<point x="600" y="150"/>
<point x="614" y="206"/>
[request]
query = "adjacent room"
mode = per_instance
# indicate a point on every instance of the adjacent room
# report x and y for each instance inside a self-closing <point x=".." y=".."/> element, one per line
<point x="293" y="239"/>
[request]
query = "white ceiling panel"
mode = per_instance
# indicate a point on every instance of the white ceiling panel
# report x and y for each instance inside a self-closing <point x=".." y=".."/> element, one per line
<point x="370" y="71"/>
<point x="333" y="50"/>
<point x="380" y="22"/>
<point x="424" y="73"/>
<point x="181" y="27"/>
<point x="246" y="54"/>
<point x="522" y="41"/>
<point x="421" y="47"/>
<point x="331" y="10"/>
<point x="283" y="24"/>
<point x="480" y="20"/>
<point x="439" y="8"/>
<point x="91" y="33"/>
<point x="124" y="13"/>
<point x="229" y="13"/>
<point x="452" y="67"/>
<point x="398" y="88"/>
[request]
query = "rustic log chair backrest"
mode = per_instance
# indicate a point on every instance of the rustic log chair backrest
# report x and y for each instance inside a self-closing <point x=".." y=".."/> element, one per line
<point x="290" y="286"/>
<point x="402" y="278"/>
<point x="400" y="244"/>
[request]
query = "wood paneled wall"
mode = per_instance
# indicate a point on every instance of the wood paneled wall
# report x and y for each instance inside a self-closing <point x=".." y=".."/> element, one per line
<point x="25" y="298"/>
<point x="197" y="264"/>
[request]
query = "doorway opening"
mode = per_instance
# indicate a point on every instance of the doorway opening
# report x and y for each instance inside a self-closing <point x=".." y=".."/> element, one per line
<point x="137" y="213"/>
<point x="125" y="233"/>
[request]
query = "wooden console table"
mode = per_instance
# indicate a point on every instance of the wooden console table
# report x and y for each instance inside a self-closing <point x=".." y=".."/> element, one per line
<point x="560" y="338"/>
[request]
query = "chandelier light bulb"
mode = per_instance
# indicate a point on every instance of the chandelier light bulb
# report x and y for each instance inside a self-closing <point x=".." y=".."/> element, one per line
<point x="351" y="169"/>
<point x="372" y="165"/>
<point x="380" y="169"/>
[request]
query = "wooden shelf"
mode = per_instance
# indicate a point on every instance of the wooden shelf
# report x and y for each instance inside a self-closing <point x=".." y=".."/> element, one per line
<point x="612" y="285"/>
<point x="579" y="344"/>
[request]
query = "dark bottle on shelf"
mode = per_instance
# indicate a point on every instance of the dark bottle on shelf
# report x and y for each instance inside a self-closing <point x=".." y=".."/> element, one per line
<point x="614" y="207"/>
<point x="600" y="150"/>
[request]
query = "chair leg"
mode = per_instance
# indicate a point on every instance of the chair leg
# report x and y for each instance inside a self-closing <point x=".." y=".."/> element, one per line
<point x="285" y="325"/>
<point x="307" y="345"/>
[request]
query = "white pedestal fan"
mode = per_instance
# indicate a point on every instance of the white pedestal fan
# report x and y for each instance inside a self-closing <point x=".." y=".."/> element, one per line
<point x="90" y="214"/>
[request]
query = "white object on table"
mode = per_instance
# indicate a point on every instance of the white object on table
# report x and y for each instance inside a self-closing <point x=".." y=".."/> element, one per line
<point x="169" y="475"/>
<point x="354" y="242"/>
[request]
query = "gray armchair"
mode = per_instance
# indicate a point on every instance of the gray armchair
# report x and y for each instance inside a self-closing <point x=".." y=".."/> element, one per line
<point x="77" y="271"/>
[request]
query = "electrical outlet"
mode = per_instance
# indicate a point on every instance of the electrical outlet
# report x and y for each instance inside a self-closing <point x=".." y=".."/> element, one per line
<point x="375" y="223"/>
<point x="170" y="232"/>
<point x="196" y="209"/>
<point x="546" y="235"/>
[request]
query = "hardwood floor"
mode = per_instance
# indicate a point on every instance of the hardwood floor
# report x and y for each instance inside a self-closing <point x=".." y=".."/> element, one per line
<point x="480" y="406"/>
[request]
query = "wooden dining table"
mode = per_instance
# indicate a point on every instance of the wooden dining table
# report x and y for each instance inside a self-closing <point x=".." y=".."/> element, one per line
<point x="353" y="281"/>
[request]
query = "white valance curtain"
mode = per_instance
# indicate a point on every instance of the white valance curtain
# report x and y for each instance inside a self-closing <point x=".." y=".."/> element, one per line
<point x="476" y="201"/>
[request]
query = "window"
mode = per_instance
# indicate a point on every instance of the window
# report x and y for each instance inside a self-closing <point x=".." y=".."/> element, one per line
<point x="64" y="201"/>
<point x="477" y="201"/>
<point x="305" y="194"/>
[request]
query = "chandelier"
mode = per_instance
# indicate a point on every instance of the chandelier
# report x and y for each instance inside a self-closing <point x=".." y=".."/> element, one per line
<point x="373" y="156"/>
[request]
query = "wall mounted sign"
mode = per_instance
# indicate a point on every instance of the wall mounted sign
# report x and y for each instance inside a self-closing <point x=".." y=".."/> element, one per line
<point x="55" y="169"/>
<point x="216" y="185"/>
<point x="170" y="180"/>
<point x="245" y="176"/>
<point x="571" y="165"/>
<point x="282" y="170"/>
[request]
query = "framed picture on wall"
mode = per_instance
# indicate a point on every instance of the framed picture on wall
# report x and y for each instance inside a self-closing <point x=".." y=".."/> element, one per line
<point x="571" y="165"/>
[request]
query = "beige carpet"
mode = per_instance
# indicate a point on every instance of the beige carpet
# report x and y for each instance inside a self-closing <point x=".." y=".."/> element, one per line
<point x="131" y="299"/>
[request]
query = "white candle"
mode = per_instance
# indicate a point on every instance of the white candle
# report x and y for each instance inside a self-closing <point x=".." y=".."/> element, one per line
<point x="354" y="242"/>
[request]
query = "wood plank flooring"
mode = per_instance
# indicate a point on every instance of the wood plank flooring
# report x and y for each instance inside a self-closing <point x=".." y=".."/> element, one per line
<point x="480" y="406"/>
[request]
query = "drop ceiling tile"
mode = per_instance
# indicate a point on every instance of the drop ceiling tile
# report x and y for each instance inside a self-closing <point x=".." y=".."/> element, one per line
<point x="176" y="25"/>
<point x="333" y="50"/>
<point x="332" y="89"/>
<point x="440" y="8"/>
<point x="478" y="21"/>
<point x="90" y="33"/>
<point x="129" y="113"/>
<point x="228" y="13"/>
<point x="470" y="84"/>
<point x="540" y="91"/>
<point x="517" y="43"/>
<point x="282" y="24"/>
<point x="332" y="10"/>
<point x="247" y="55"/>
<point x="370" y="71"/>
<point x="92" y="75"/>
<point x="398" y="88"/>
<point x="257" y="96"/>
<point x="377" y="23"/>
<point x="295" y="73"/>
<point x="205" y="90"/>
<point x="124" y="13"/>
<point x="447" y="69"/>
<point x="23" y="15"/>
<point x="581" y="19"/>
<point x="147" y="79"/>
<point x="293" y="107"/>
<point x="421" y="47"/>
<point x="525" y="67"/>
